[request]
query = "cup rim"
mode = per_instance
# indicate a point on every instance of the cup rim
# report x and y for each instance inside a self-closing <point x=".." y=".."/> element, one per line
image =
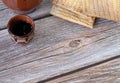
<point x="28" y="17"/>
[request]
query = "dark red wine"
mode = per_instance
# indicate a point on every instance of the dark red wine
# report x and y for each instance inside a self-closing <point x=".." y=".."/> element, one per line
<point x="21" y="28"/>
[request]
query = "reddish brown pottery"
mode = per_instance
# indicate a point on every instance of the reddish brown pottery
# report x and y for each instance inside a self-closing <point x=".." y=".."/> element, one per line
<point x="22" y="6"/>
<point x="22" y="40"/>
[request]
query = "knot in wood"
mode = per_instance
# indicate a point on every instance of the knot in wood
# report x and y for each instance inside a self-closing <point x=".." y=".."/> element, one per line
<point x="74" y="43"/>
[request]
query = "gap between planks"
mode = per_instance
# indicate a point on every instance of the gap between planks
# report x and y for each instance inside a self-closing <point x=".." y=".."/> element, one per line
<point x="62" y="77"/>
<point x="103" y="72"/>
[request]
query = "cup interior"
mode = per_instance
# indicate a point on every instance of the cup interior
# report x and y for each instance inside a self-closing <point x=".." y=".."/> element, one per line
<point x="21" y="25"/>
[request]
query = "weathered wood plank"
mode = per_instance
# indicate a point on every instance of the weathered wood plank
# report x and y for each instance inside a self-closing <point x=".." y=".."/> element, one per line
<point x="42" y="11"/>
<point x="58" y="47"/>
<point x="108" y="72"/>
<point x="2" y="6"/>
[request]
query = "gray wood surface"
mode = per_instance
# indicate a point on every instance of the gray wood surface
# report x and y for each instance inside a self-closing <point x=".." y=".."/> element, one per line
<point x="6" y="13"/>
<point x="58" y="47"/>
<point x="108" y="72"/>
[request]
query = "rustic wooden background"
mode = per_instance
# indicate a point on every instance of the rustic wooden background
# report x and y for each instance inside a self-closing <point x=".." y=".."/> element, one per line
<point x="61" y="51"/>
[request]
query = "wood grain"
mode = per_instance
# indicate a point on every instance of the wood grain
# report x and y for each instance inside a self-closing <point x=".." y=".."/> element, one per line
<point x="42" y="11"/>
<point x="58" y="47"/>
<point x="107" y="9"/>
<point x="108" y="72"/>
<point x="72" y="16"/>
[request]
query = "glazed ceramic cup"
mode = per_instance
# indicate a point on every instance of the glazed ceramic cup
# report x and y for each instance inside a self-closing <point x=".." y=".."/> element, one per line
<point x="16" y="32"/>
<point x="22" y="6"/>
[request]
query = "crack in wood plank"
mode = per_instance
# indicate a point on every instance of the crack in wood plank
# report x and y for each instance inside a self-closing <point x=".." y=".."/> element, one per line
<point x="105" y="72"/>
<point x="53" y="79"/>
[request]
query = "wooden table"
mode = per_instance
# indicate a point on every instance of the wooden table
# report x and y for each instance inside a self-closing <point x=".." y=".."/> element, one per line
<point x="61" y="52"/>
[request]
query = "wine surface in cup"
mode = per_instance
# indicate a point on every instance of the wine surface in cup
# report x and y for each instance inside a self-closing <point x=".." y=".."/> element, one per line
<point x="21" y="28"/>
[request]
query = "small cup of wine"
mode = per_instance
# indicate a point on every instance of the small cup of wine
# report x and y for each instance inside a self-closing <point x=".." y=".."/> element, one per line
<point x="21" y="29"/>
